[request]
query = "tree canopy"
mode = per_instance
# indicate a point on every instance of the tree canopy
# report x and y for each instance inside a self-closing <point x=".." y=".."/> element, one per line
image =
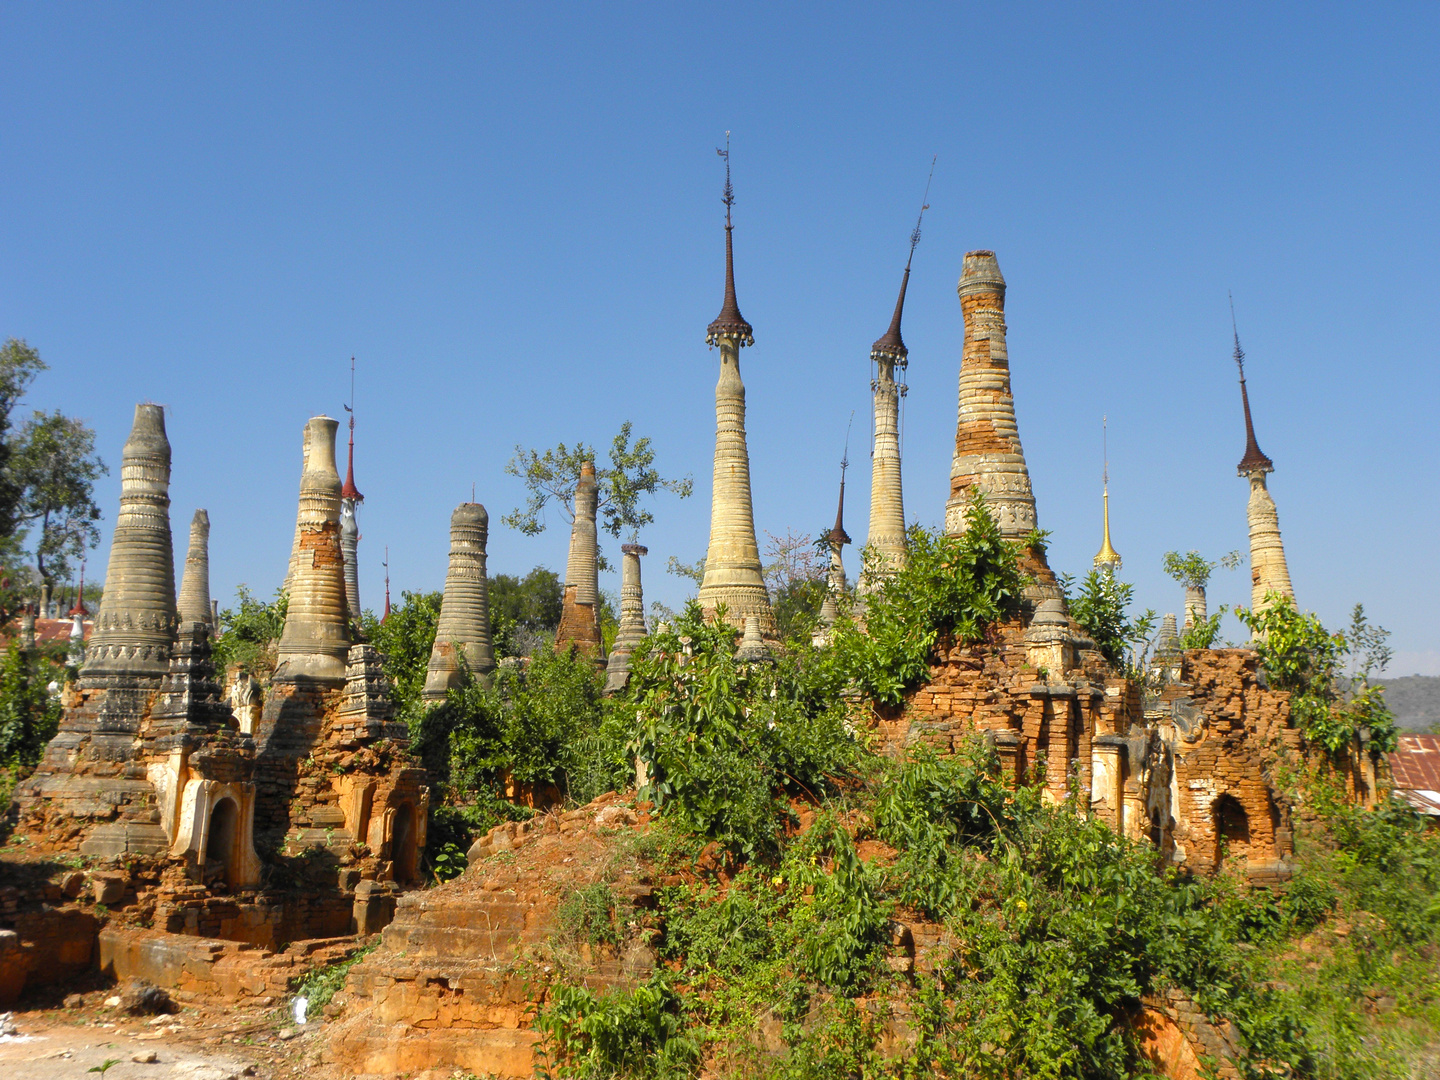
<point x="630" y="477"/>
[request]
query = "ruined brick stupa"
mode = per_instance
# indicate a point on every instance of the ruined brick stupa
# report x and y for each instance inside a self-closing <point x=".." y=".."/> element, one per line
<point x="733" y="577"/>
<point x="463" y="629"/>
<point x="316" y="640"/>
<point x="580" y="612"/>
<point x="988" y="456"/>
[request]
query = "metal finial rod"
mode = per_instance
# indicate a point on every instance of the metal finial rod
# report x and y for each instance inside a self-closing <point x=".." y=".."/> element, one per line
<point x="351" y="407"/>
<point x="924" y="205"/>
<point x="1239" y="352"/>
<point x="729" y="197"/>
<point x="1105" y="449"/>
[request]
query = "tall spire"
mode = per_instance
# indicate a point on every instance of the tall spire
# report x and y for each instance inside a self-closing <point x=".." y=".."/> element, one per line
<point x="886" y="538"/>
<point x="837" y="537"/>
<point x="1107" y="559"/>
<point x="892" y="344"/>
<point x="350" y="498"/>
<point x="733" y="578"/>
<point x="386" y="565"/>
<point x="729" y="323"/>
<point x="1254" y="460"/>
<point x="1269" y="572"/>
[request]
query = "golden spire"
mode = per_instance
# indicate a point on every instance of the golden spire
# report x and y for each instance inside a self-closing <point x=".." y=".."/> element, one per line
<point x="1108" y="559"/>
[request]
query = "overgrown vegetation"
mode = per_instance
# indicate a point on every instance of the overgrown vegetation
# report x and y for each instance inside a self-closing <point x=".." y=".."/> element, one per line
<point x="321" y="984"/>
<point x="950" y="587"/>
<point x="1102" y="608"/>
<point x="248" y="633"/>
<point x="1301" y="656"/>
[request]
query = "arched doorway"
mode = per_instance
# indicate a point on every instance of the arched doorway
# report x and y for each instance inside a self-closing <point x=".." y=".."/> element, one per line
<point x="1232" y="829"/>
<point x="402" y="845"/>
<point x="220" y="839"/>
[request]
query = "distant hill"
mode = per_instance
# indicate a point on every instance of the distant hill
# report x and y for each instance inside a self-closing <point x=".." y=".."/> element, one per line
<point x="1415" y="701"/>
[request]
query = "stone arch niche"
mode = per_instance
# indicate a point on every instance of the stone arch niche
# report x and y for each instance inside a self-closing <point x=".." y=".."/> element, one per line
<point x="217" y="821"/>
<point x="404" y="856"/>
<point x="1232" y="828"/>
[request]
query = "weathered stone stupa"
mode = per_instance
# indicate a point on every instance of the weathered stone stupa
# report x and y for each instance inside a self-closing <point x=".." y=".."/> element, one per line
<point x="93" y="769"/>
<point x="580" y="613"/>
<point x="464" y="625"/>
<point x="194" y="602"/>
<point x="1268" y="570"/>
<point x="632" y="618"/>
<point x="316" y="638"/>
<point x="733" y="577"/>
<point x="136" y="623"/>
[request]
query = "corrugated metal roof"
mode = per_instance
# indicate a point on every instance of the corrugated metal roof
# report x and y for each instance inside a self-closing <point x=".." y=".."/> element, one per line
<point x="1415" y="767"/>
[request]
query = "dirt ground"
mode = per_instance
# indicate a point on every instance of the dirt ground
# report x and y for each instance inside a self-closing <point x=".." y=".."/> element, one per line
<point x="196" y="1043"/>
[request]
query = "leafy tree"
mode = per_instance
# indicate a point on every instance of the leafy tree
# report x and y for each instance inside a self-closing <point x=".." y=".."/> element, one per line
<point x="1193" y="570"/>
<point x="524" y="610"/>
<point x="29" y="714"/>
<point x="248" y="632"/>
<point x="19" y="364"/>
<point x="795" y="576"/>
<point x="1101" y="607"/>
<point x="630" y="477"/>
<point x="54" y="465"/>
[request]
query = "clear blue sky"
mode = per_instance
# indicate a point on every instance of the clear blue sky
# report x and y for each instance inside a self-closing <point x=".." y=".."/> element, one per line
<point x="510" y="215"/>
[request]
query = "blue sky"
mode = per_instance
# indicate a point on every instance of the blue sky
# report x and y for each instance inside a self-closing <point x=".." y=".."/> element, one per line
<point x="510" y="216"/>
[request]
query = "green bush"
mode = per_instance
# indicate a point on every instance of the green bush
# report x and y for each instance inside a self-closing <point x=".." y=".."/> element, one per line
<point x="29" y="713"/>
<point x="720" y="739"/>
<point x="247" y="631"/>
<point x="634" y="1033"/>
<point x="591" y="914"/>
<point x="950" y="587"/>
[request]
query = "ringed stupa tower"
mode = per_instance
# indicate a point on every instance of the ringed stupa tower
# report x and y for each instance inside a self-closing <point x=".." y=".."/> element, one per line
<point x="464" y="625"/>
<point x="1268" y="570"/>
<point x="733" y="576"/>
<point x="194" y="602"/>
<point x="886" y="539"/>
<point x="835" y="583"/>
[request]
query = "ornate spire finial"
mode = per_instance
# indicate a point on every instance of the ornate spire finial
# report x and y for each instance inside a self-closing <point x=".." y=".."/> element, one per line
<point x="892" y="346"/>
<point x="348" y="490"/>
<point x="1253" y="461"/>
<point x="386" y="565"/>
<point x="838" y="536"/>
<point x="1107" y="559"/>
<point x="729" y="323"/>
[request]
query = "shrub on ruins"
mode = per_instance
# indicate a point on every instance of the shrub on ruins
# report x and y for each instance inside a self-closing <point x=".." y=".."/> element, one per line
<point x="632" y="1033"/>
<point x="249" y="631"/>
<point x="406" y="637"/>
<point x="1301" y="656"/>
<point x="720" y="740"/>
<point x="951" y="587"/>
<point x="1102" y="608"/>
